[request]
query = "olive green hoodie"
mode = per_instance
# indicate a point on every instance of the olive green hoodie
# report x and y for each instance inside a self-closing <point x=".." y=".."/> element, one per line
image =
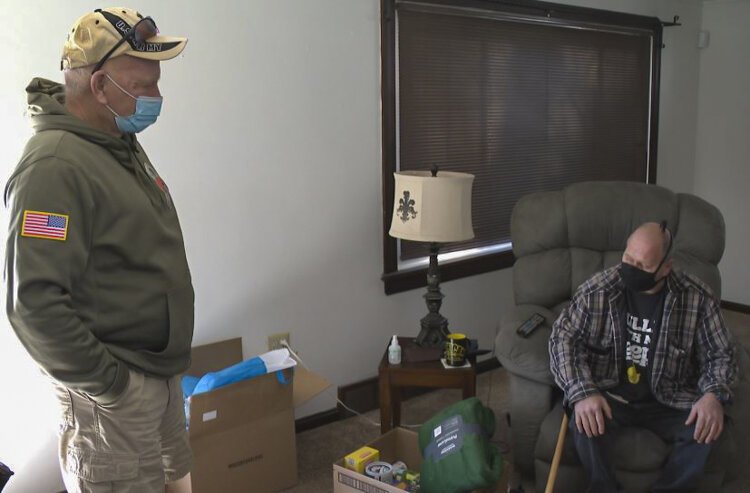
<point x="104" y="285"/>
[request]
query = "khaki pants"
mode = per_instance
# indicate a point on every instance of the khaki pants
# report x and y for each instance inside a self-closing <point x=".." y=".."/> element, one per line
<point x="134" y="445"/>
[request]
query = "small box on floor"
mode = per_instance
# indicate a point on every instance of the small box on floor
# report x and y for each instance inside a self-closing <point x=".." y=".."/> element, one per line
<point x="357" y="460"/>
<point x="397" y="445"/>
<point x="242" y="435"/>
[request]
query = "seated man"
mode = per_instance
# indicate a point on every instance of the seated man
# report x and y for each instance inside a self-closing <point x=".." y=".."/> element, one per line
<point x="643" y="345"/>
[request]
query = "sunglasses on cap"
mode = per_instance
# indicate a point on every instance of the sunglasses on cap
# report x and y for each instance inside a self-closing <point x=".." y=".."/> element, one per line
<point x="138" y="34"/>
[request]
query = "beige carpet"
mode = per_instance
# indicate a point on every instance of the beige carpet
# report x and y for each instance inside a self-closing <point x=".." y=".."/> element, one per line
<point x="317" y="449"/>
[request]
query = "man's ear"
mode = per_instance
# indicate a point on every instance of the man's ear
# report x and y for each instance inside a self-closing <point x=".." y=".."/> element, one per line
<point x="668" y="266"/>
<point x="97" y="81"/>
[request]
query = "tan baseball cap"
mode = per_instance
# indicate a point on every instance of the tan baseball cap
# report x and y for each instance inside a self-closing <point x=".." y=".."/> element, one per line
<point x="94" y="34"/>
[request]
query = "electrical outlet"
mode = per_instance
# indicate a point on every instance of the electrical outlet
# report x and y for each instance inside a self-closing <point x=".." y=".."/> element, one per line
<point x="274" y="340"/>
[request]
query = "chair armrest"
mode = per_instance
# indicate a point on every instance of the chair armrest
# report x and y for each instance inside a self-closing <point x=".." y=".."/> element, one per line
<point x="739" y="412"/>
<point x="526" y="357"/>
<point x="530" y="402"/>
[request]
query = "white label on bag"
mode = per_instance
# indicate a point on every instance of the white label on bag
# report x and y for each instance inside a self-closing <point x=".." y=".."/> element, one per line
<point x="437" y="431"/>
<point x="210" y="415"/>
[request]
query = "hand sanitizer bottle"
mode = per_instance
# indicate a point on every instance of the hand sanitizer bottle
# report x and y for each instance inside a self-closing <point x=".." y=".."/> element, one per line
<point x="394" y="352"/>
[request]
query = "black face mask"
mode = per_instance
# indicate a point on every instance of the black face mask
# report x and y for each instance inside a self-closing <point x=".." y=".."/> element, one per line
<point x="636" y="279"/>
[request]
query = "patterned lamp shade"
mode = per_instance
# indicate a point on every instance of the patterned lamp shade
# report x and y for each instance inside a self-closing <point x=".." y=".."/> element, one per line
<point x="432" y="208"/>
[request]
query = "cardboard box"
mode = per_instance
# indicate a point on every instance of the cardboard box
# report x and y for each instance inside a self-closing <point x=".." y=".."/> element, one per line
<point x="397" y="444"/>
<point x="242" y="435"/>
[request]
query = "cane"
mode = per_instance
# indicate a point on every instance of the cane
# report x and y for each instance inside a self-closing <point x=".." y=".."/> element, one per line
<point x="558" y="454"/>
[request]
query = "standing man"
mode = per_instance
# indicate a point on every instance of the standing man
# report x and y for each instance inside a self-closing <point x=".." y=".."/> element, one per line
<point x="99" y="290"/>
<point x="643" y="345"/>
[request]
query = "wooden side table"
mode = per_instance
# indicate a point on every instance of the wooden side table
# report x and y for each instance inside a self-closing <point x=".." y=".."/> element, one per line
<point x="391" y="378"/>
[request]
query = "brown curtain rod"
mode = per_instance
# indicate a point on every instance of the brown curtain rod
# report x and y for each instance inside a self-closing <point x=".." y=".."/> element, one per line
<point x="673" y="23"/>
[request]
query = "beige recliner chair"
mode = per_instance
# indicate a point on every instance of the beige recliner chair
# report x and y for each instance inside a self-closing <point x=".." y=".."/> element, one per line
<point x="560" y="239"/>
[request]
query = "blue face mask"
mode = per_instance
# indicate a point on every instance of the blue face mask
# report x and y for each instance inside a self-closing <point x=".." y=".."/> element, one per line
<point x="147" y="110"/>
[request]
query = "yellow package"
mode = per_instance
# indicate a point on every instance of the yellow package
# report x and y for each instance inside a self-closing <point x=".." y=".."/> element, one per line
<point x="358" y="460"/>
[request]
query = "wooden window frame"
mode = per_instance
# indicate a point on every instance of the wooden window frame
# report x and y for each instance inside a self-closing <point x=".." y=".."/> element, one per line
<point x="395" y="280"/>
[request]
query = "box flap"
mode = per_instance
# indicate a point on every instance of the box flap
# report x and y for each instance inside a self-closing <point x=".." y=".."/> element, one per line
<point x="307" y="385"/>
<point x="215" y="357"/>
<point x="229" y="407"/>
<point x="399" y="444"/>
<point x="219" y="355"/>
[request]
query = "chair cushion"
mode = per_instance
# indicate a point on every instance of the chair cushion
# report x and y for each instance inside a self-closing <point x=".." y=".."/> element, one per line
<point x="554" y="266"/>
<point x="601" y="215"/>
<point x="562" y="238"/>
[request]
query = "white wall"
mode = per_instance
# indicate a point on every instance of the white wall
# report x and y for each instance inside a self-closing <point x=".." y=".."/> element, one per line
<point x="272" y="125"/>
<point x="270" y="143"/>
<point x="722" y="174"/>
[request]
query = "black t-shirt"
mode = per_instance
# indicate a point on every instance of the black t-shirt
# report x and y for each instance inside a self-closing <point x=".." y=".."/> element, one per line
<point x="642" y="321"/>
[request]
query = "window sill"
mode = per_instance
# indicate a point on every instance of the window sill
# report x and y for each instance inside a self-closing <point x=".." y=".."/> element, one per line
<point x="399" y="281"/>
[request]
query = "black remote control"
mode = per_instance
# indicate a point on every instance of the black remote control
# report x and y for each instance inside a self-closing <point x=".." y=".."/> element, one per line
<point x="529" y="325"/>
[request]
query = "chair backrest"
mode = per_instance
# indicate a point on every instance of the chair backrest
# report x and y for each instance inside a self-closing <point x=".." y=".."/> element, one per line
<point x="562" y="238"/>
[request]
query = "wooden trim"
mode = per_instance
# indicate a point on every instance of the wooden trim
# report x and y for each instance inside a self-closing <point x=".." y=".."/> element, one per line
<point x="361" y="396"/>
<point x="735" y="307"/>
<point x="655" y="89"/>
<point x="551" y="11"/>
<point x="399" y="281"/>
<point x="388" y="129"/>
<point x="316" y="420"/>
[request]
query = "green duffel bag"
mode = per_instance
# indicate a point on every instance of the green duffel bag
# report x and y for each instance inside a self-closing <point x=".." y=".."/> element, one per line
<point x="455" y="445"/>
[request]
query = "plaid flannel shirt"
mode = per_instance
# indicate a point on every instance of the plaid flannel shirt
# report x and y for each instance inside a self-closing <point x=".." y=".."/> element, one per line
<point x="694" y="352"/>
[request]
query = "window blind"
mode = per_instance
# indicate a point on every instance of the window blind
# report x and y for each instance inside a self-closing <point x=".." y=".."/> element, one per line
<point x="524" y="106"/>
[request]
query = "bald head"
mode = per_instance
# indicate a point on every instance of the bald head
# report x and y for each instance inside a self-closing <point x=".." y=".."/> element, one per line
<point x="651" y="236"/>
<point x="647" y="247"/>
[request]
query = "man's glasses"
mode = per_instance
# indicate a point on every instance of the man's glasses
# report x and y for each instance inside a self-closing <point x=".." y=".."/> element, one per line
<point x="142" y="30"/>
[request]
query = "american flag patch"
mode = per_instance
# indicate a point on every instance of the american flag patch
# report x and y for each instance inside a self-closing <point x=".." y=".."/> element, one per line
<point x="44" y="225"/>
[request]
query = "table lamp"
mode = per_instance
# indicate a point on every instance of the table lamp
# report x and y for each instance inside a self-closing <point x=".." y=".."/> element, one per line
<point x="436" y="208"/>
